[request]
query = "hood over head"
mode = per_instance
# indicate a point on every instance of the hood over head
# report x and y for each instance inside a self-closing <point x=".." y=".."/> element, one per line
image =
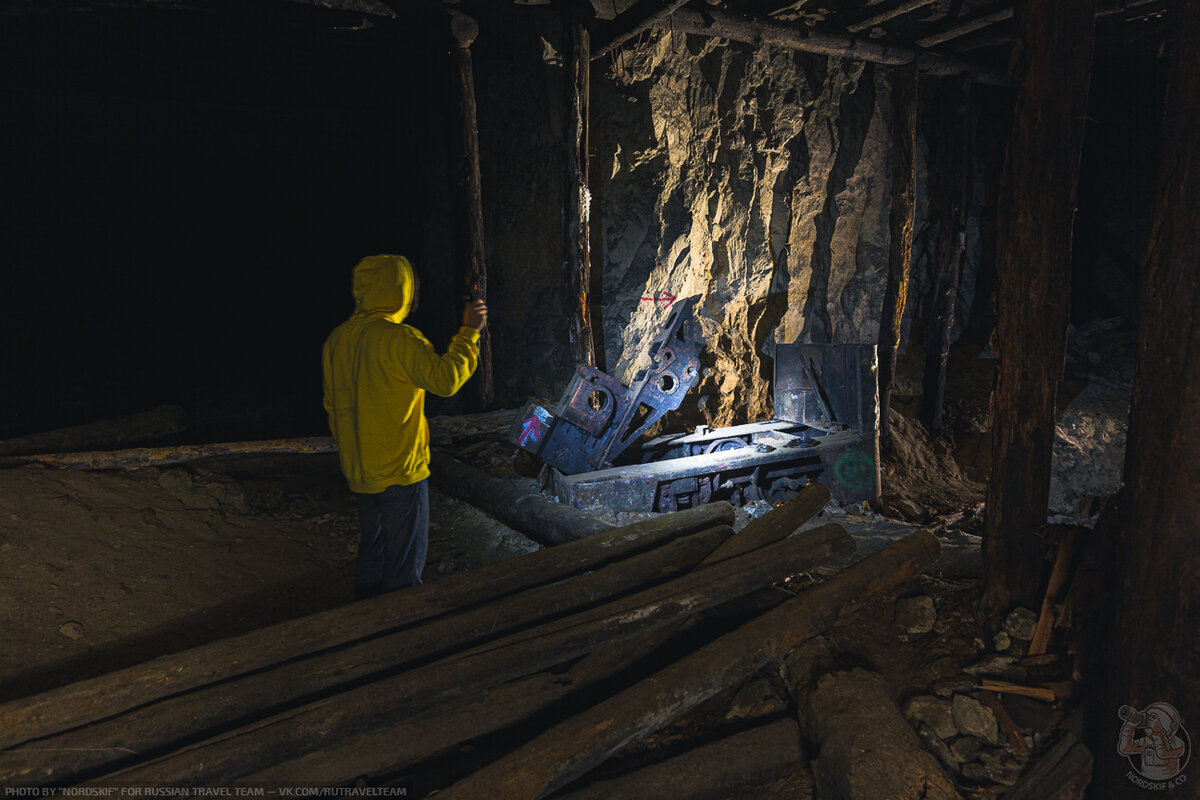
<point x="383" y="285"/>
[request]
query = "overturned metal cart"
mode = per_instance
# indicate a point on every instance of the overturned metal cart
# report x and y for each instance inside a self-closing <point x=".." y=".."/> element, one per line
<point x="825" y="428"/>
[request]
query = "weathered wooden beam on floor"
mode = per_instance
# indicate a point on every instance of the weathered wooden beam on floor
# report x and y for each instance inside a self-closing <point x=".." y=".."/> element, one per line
<point x="570" y="749"/>
<point x="577" y="197"/>
<point x="1152" y="653"/>
<point x="173" y="720"/>
<point x="137" y="457"/>
<point x="765" y="31"/>
<point x="1035" y="219"/>
<point x="868" y="749"/>
<point x="393" y="748"/>
<point x="728" y="767"/>
<point x="526" y="509"/>
<point x="465" y="29"/>
<point x="900" y="223"/>
<point x="90" y="700"/>
<point x="293" y="733"/>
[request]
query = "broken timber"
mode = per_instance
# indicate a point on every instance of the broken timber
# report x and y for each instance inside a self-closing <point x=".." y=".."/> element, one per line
<point x="318" y="724"/>
<point x="571" y="748"/>
<point x="170" y="721"/>
<point x="527" y="510"/>
<point x="577" y="215"/>
<point x="96" y="698"/>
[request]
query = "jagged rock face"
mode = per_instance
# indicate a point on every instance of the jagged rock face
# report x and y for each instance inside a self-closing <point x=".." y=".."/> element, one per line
<point x="755" y="178"/>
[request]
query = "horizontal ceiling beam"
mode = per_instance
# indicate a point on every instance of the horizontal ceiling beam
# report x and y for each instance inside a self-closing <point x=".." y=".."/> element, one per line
<point x="970" y="26"/>
<point x="879" y="19"/>
<point x="765" y="31"/>
<point x="629" y="23"/>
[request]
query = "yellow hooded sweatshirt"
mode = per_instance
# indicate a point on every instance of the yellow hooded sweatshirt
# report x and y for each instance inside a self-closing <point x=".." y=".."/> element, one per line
<point x="376" y="372"/>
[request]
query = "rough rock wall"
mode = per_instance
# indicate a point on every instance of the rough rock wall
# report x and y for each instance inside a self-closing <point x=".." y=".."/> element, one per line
<point x="756" y="178"/>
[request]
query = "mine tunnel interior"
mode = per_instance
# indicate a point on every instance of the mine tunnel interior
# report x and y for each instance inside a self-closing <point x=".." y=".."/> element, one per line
<point x="788" y="303"/>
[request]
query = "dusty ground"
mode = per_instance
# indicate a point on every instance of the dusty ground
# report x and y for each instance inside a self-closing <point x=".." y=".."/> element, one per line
<point x="99" y="570"/>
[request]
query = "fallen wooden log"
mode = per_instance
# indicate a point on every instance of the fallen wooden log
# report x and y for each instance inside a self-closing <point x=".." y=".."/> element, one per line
<point x="217" y="707"/>
<point x="867" y="749"/>
<point x="1044" y="693"/>
<point x="137" y="457"/>
<point x="571" y="748"/>
<point x="725" y="768"/>
<point x="397" y="747"/>
<point x="394" y="748"/>
<point x="161" y="421"/>
<point x="776" y="524"/>
<point x="296" y="732"/>
<point x="1062" y="773"/>
<point x="529" y="511"/>
<point x="106" y="695"/>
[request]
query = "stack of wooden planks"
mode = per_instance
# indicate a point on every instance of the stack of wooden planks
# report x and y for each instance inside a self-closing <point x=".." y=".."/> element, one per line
<point x="567" y="655"/>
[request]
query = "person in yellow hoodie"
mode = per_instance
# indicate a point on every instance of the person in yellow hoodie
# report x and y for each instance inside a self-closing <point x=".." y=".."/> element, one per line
<point x="376" y="372"/>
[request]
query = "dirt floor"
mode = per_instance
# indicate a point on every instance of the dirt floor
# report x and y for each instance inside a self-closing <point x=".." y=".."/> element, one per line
<point x="99" y="570"/>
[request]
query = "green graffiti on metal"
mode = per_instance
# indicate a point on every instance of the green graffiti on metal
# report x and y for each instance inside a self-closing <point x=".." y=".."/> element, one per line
<point x="855" y="469"/>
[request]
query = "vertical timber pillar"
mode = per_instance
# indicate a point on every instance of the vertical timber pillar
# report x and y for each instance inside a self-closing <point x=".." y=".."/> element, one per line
<point x="1152" y="653"/>
<point x="1052" y="65"/>
<point x="576" y="215"/>
<point x="465" y="29"/>
<point x="954" y="163"/>
<point x="904" y="197"/>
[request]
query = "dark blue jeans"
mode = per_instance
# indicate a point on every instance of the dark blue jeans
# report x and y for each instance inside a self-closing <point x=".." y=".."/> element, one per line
<point x="395" y="537"/>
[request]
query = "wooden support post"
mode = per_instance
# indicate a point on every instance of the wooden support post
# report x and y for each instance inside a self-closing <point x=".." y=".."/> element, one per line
<point x="1152" y="655"/>
<point x="1034" y="225"/>
<point x="571" y="748"/>
<point x="576" y="214"/>
<point x="904" y="198"/>
<point x="950" y="197"/>
<point x="465" y="29"/>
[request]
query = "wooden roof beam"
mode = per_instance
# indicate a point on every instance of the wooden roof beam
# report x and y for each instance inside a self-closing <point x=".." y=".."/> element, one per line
<point x="904" y="8"/>
<point x="970" y="26"/>
<point x="632" y="21"/>
<point x="762" y="30"/>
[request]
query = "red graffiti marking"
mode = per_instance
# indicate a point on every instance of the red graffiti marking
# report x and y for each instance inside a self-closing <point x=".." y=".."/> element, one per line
<point x="666" y="298"/>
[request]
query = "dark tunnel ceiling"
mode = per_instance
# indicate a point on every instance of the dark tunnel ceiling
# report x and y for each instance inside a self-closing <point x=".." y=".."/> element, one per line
<point x="973" y="29"/>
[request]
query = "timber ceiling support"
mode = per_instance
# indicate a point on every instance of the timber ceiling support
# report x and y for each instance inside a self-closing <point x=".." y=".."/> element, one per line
<point x="761" y="30"/>
<point x="904" y="8"/>
<point x="632" y="21"/>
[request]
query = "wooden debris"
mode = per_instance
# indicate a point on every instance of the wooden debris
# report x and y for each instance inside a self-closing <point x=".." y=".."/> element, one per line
<point x="1044" y="693"/>
<point x="725" y="768"/>
<point x="1058" y="579"/>
<point x="1063" y="773"/>
<point x="137" y="457"/>
<point x="204" y="711"/>
<point x="526" y="509"/>
<point x="1008" y="726"/>
<point x="868" y="751"/>
<point x="571" y="748"/>
<point x="318" y="724"/>
<point x="96" y="698"/>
